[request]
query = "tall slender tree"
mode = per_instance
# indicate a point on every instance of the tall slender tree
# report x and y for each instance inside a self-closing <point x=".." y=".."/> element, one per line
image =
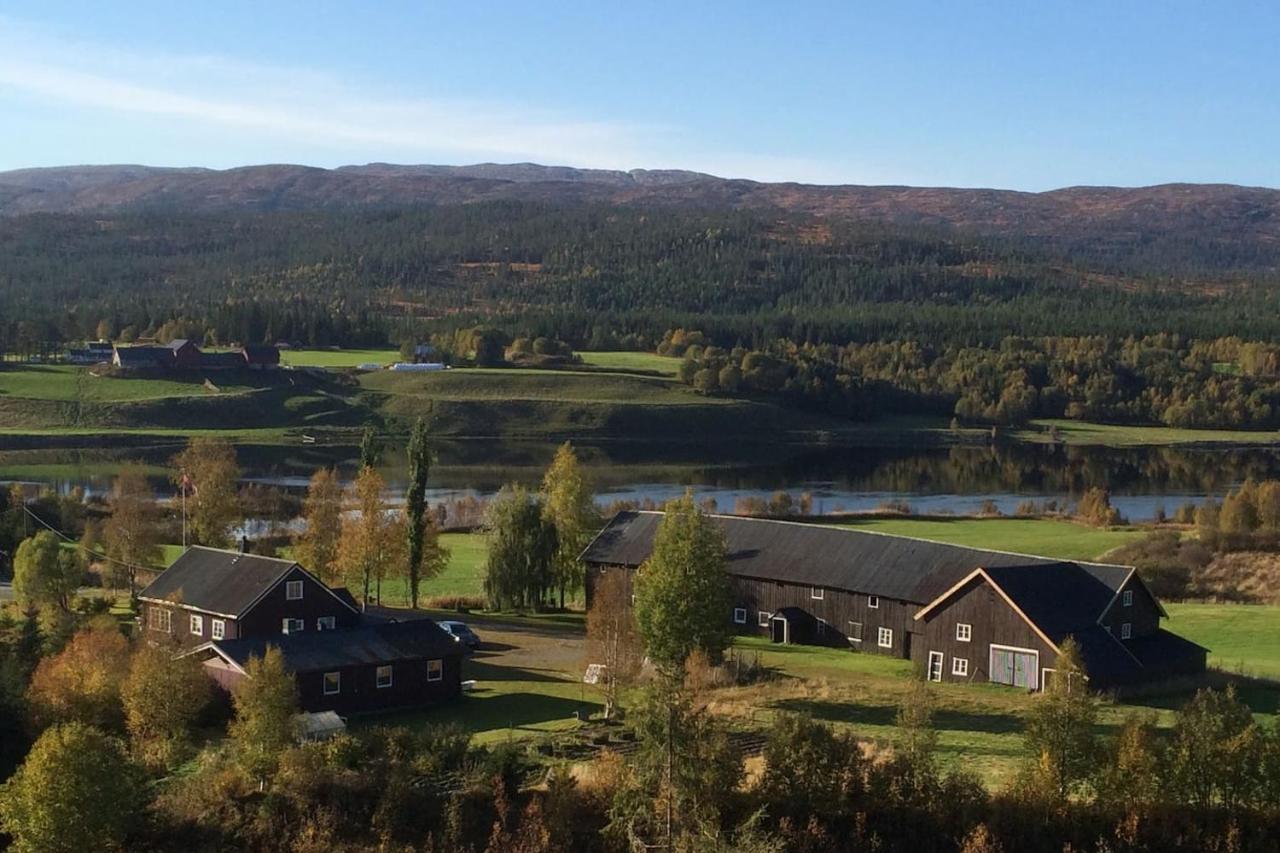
<point x="372" y="539"/>
<point x="567" y="503"/>
<point x="416" y="504"/>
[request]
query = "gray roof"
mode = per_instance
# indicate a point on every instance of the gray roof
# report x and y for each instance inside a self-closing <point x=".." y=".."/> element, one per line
<point x="1062" y="598"/>
<point x="898" y="567"/>
<point x="217" y="581"/>
<point x="314" y="651"/>
<point x="142" y="354"/>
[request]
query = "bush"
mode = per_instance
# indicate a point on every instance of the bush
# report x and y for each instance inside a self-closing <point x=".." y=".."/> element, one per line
<point x="460" y="603"/>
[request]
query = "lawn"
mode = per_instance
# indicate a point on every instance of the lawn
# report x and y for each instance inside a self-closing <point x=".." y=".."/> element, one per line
<point x="1240" y="637"/>
<point x="1039" y="536"/>
<point x="506" y="384"/>
<point x="664" y="365"/>
<point x="463" y="576"/>
<point x="1119" y="435"/>
<point x="69" y="383"/>
<point x="337" y="358"/>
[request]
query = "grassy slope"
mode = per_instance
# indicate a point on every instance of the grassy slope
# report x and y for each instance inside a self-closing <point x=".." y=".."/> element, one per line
<point x="1240" y="637"/>
<point x="338" y="358"/>
<point x="1111" y="435"/>
<point x="1042" y="537"/>
<point x="68" y="383"/>
<point x="633" y="361"/>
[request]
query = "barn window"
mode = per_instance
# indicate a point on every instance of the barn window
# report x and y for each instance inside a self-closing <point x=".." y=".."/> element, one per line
<point x="197" y="625"/>
<point x="384" y="676"/>
<point x="326" y="623"/>
<point x="218" y="629"/>
<point x="822" y="627"/>
<point x="292" y="626"/>
<point x="762" y="620"/>
<point x="435" y="670"/>
<point x="159" y="619"/>
<point x="886" y="638"/>
<point x="855" y="632"/>
<point x="293" y="590"/>
<point x="873" y="601"/>
<point x="1128" y="598"/>
<point x="960" y="666"/>
<point x="740" y="615"/>
<point x="964" y="632"/>
<point x="1126" y="631"/>
<point x="332" y="683"/>
<point x="816" y="592"/>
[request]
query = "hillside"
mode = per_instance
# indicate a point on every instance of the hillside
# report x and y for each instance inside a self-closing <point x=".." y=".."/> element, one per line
<point x="1245" y="220"/>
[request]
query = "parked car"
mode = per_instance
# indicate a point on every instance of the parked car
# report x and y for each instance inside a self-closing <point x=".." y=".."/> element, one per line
<point x="462" y="633"/>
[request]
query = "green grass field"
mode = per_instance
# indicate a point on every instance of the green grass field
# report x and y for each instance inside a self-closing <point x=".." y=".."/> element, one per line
<point x="471" y="384"/>
<point x="1041" y="537"/>
<point x="338" y="358"/>
<point x="69" y="383"/>
<point x="463" y="576"/>
<point x="628" y="361"/>
<point x="1241" y="638"/>
<point x="1111" y="435"/>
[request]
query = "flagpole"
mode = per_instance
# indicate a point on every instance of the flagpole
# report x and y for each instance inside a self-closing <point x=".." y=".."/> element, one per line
<point x="184" y="511"/>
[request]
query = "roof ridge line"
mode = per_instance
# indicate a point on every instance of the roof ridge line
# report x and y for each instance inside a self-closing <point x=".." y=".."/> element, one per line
<point x="847" y="529"/>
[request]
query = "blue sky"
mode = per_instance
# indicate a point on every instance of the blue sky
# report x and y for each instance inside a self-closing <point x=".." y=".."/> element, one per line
<point x="1025" y="95"/>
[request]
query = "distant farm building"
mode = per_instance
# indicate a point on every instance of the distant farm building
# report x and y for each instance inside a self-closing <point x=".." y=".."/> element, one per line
<point x="962" y="614"/>
<point x="184" y="355"/>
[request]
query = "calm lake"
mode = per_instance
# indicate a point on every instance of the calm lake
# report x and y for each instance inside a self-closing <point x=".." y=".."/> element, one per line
<point x="929" y="479"/>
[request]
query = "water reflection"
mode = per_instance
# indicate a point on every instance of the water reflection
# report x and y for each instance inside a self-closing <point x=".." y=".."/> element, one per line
<point x="932" y="479"/>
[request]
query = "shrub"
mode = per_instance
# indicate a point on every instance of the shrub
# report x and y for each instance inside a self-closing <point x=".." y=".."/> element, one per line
<point x="460" y="603"/>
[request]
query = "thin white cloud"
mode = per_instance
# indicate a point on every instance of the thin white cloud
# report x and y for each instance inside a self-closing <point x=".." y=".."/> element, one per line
<point x="313" y="112"/>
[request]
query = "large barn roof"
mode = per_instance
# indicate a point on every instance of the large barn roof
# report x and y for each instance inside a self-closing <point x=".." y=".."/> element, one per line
<point x="223" y="582"/>
<point x="315" y="651"/>
<point x="898" y="567"/>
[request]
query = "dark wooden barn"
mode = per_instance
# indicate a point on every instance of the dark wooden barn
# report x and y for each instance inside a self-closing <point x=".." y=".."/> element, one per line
<point x="806" y="583"/>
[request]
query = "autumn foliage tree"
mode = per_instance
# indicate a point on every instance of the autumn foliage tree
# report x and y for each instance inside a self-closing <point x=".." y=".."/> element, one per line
<point x="163" y="696"/>
<point x="46" y="574"/>
<point x="82" y="682"/>
<point x="317" y="544"/>
<point x="265" y="702"/>
<point x="567" y="503"/>
<point x="612" y="638"/>
<point x="76" y="791"/>
<point x="373" y="539"/>
<point x="131" y="538"/>
<point x="213" y="503"/>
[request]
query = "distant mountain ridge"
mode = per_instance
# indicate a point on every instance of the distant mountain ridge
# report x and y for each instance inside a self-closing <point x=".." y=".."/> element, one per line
<point x="1238" y="215"/>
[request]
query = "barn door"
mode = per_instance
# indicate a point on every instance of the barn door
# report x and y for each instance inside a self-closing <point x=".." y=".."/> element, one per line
<point x="935" y="666"/>
<point x="1015" y="667"/>
<point x="779" y="630"/>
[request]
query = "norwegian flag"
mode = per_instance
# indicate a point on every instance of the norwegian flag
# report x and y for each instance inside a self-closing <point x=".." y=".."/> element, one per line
<point x="186" y="484"/>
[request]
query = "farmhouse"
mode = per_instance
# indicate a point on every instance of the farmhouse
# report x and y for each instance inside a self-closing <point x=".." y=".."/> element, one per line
<point x="963" y="614"/>
<point x="228" y="607"/>
<point x="184" y="355"/>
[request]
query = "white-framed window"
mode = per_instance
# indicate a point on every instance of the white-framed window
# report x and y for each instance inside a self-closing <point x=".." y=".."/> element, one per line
<point x="292" y="626"/>
<point x="384" y="676"/>
<point x="762" y="620"/>
<point x="964" y="632"/>
<point x="855" y="632"/>
<point x="197" y="625"/>
<point x="960" y="666"/>
<point x="160" y="619"/>
<point x="218" y="629"/>
<point x="740" y="615"/>
<point x="1128" y="598"/>
<point x="435" y="670"/>
<point x="873" y="601"/>
<point x="326" y="623"/>
<point x="885" y="639"/>
<point x="1126" y="630"/>
<point x="293" y="590"/>
<point x="332" y="683"/>
<point x="817" y="593"/>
